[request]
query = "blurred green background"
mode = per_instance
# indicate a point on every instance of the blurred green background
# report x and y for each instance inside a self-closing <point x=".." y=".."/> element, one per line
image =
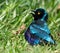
<point x="15" y="17"/>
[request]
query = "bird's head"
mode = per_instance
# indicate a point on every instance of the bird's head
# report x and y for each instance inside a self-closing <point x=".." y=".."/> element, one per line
<point x="40" y="14"/>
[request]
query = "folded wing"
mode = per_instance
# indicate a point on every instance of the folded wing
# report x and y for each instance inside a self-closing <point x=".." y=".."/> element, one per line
<point x="42" y="33"/>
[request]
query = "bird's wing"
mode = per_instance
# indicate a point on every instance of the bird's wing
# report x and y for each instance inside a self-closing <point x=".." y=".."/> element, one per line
<point x="41" y="33"/>
<point x="44" y="27"/>
<point x="41" y="25"/>
<point x="33" y="40"/>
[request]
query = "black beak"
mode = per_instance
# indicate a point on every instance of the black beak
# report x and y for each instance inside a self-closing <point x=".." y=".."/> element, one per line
<point x="32" y="12"/>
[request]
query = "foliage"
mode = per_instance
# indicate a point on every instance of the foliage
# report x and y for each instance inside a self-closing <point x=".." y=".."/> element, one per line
<point x="15" y="13"/>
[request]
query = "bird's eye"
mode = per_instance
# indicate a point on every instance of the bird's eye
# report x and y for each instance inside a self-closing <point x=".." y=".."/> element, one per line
<point x="38" y="13"/>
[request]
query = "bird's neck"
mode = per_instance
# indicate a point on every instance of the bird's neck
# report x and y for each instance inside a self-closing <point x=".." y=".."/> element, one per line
<point x="40" y="22"/>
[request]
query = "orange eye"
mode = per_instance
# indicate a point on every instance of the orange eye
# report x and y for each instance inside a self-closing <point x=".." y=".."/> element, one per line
<point x="38" y="13"/>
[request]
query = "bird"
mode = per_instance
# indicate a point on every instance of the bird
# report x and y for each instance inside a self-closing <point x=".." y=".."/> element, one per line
<point x="38" y="31"/>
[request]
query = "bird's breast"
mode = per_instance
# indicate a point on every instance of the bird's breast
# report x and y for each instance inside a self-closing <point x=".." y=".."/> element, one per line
<point x="40" y="23"/>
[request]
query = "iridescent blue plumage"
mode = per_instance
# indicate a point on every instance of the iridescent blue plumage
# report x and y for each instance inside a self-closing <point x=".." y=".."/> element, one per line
<point x="38" y="29"/>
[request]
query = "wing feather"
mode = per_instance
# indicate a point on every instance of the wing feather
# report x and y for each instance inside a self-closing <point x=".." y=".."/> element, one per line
<point x="37" y="31"/>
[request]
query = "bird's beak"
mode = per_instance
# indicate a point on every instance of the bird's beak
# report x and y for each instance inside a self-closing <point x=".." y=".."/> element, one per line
<point x="33" y="12"/>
